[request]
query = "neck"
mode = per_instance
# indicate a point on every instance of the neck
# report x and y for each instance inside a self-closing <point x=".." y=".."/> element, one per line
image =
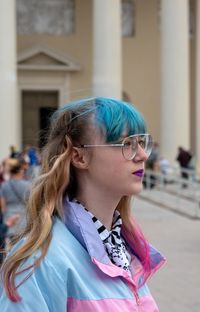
<point x="100" y="204"/>
<point x="17" y="176"/>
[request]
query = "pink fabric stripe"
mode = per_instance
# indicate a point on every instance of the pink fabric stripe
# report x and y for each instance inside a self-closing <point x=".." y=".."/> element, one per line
<point x="110" y="269"/>
<point x="103" y="305"/>
<point x="113" y="271"/>
<point x="147" y="304"/>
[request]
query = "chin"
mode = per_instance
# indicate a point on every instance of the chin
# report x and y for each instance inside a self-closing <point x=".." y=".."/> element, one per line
<point x="137" y="189"/>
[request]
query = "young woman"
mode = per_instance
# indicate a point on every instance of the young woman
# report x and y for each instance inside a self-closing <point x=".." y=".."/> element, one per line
<point x="81" y="250"/>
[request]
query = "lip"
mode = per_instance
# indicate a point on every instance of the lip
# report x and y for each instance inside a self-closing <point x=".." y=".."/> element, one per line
<point x="139" y="173"/>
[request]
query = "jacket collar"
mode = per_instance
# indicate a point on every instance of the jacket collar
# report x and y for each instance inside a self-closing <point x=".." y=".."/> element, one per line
<point x="80" y="224"/>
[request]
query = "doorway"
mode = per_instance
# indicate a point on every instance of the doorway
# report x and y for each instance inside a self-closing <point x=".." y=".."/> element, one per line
<point x="37" y="108"/>
<point x="45" y="116"/>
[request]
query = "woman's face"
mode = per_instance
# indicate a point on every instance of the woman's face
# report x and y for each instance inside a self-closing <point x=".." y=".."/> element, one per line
<point x="110" y="171"/>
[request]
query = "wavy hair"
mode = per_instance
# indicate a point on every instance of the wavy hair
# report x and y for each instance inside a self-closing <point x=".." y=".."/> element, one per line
<point x="70" y="126"/>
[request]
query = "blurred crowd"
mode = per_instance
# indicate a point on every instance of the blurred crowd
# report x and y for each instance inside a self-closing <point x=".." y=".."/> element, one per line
<point x="158" y="163"/>
<point x="29" y="158"/>
<point x="16" y="173"/>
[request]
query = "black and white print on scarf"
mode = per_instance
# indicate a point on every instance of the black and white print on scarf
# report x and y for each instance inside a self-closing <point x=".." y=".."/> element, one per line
<point x="114" y="244"/>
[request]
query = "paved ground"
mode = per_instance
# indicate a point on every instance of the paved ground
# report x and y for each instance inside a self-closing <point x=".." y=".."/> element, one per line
<point x="176" y="286"/>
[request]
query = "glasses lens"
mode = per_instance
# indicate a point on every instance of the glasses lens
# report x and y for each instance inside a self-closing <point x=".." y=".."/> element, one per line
<point x="130" y="145"/>
<point x="145" y="141"/>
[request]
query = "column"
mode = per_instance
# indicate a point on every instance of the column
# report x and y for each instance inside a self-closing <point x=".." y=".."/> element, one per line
<point x="107" y="73"/>
<point x="197" y="121"/>
<point x="175" y="112"/>
<point x="9" y="111"/>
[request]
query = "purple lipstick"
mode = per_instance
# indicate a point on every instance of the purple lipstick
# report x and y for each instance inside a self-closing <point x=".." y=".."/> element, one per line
<point x="139" y="173"/>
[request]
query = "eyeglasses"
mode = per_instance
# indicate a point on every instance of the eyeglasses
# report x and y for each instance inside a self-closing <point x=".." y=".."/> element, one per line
<point x="130" y="145"/>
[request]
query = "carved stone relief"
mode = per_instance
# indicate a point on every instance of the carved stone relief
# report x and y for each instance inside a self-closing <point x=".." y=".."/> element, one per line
<point x="128" y="18"/>
<point x="54" y="17"/>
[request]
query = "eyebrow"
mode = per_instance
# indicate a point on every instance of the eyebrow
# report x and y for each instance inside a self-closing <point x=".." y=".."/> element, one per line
<point x="119" y="140"/>
<point x="122" y="137"/>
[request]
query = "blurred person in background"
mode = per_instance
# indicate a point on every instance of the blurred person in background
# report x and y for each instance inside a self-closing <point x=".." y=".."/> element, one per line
<point x="152" y="161"/>
<point x="14" y="153"/>
<point x="166" y="170"/>
<point x="6" y="164"/>
<point x="4" y="226"/>
<point x="184" y="158"/>
<point x="164" y="165"/>
<point x="13" y="196"/>
<point x="11" y="221"/>
<point x="32" y="155"/>
<point x="152" y="164"/>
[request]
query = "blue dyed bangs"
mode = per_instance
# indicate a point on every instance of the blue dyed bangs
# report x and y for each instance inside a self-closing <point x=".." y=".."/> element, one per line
<point x="116" y="117"/>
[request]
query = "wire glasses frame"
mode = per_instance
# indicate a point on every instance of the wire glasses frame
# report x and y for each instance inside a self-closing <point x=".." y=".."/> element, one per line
<point x="130" y="145"/>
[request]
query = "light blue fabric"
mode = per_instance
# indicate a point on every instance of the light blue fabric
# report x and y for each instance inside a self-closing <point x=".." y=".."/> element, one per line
<point x="67" y="271"/>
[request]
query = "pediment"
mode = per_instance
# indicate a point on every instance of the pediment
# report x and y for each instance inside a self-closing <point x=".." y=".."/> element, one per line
<point x="43" y="58"/>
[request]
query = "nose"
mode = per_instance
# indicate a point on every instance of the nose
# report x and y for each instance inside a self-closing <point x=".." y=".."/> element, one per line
<point x="141" y="155"/>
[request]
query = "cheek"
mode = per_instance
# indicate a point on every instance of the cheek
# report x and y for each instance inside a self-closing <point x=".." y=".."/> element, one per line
<point x="115" y="165"/>
<point x="115" y="172"/>
<point x="107" y="157"/>
<point x="107" y="164"/>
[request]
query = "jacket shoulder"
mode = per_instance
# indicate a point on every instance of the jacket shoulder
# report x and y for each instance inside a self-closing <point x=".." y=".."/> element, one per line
<point x="63" y="246"/>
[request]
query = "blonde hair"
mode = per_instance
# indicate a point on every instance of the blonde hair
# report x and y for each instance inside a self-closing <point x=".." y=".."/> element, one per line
<point x="69" y="127"/>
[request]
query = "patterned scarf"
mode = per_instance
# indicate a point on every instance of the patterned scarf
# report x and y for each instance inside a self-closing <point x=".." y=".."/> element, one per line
<point x="114" y="244"/>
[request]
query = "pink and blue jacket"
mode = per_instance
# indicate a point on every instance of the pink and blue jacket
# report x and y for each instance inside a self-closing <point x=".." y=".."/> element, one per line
<point x="77" y="275"/>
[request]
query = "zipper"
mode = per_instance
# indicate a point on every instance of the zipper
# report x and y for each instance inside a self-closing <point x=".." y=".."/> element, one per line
<point x="135" y="293"/>
<point x="137" y="298"/>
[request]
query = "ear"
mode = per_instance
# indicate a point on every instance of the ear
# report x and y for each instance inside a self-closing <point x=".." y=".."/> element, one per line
<point x="79" y="159"/>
